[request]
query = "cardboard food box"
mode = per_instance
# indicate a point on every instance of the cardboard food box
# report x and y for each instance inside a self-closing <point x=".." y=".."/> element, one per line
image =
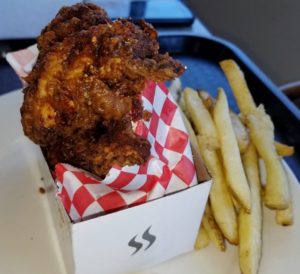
<point x="130" y="239"/>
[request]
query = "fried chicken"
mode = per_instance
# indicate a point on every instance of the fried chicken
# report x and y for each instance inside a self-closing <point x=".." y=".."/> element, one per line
<point x="99" y="149"/>
<point x="84" y="90"/>
<point x="70" y="20"/>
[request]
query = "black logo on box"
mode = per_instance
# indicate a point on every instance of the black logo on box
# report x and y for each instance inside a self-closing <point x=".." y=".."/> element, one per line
<point x="147" y="236"/>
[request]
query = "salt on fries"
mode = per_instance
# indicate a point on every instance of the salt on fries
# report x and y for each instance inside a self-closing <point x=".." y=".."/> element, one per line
<point x="244" y="161"/>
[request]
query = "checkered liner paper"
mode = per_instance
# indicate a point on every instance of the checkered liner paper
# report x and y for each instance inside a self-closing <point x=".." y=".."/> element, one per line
<point x="169" y="168"/>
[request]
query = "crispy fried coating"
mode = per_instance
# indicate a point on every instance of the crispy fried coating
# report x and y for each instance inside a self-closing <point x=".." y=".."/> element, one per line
<point x="70" y="20"/>
<point x="84" y="90"/>
<point x="99" y="149"/>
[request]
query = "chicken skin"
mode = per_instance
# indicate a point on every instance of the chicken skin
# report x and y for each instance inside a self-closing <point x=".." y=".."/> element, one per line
<point x="84" y="91"/>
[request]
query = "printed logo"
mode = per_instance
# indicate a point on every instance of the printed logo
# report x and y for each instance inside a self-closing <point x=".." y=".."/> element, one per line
<point x="147" y="236"/>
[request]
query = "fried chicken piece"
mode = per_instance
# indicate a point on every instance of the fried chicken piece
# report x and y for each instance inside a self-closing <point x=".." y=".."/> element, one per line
<point x="90" y="78"/>
<point x="99" y="149"/>
<point x="70" y="20"/>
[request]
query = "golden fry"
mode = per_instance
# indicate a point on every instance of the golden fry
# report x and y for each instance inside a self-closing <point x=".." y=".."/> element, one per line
<point x="202" y="239"/>
<point x="236" y="204"/>
<point x="238" y="85"/>
<point x="201" y="171"/>
<point x="220" y="196"/>
<point x="212" y="229"/>
<point x="235" y="174"/>
<point x="262" y="134"/>
<point x="239" y="129"/>
<point x="181" y="103"/>
<point x="176" y="89"/>
<point x="262" y="172"/>
<point x="240" y="132"/>
<point x="284" y="150"/>
<point x="208" y="101"/>
<point x="285" y="217"/>
<point x="200" y="117"/>
<point x="250" y="225"/>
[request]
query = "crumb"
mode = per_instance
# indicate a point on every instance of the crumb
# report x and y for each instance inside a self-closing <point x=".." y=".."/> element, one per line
<point x="42" y="178"/>
<point x="42" y="190"/>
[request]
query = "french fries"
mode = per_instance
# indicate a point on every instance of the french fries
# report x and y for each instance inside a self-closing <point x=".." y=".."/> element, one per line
<point x="240" y="132"/>
<point x="262" y="134"/>
<point x="202" y="239"/>
<point x="212" y="229"/>
<point x="284" y="150"/>
<point x="239" y="86"/>
<point x="175" y="88"/>
<point x="220" y="196"/>
<point x="200" y="169"/>
<point x="285" y="217"/>
<point x="208" y="101"/>
<point x="250" y="225"/>
<point x="240" y="153"/>
<point x="230" y="152"/>
<point x="239" y="129"/>
<point x="200" y="117"/>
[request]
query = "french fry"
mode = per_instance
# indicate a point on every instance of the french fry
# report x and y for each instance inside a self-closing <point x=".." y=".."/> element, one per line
<point x="262" y="134"/>
<point x="235" y="174"/>
<point x="208" y="101"/>
<point x="202" y="239"/>
<point x="240" y="132"/>
<point x="284" y="150"/>
<point x="250" y="225"/>
<point x="220" y="196"/>
<point x="198" y="161"/>
<point x="238" y="85"/>
<point x="239" y="129"/>
<point x="200" y="117"/>
<point x="262" y="172"/>
<point x="212" y="229"/>
<point x="204" y="95"/>
<point x="181" y="103"/>
<point x="175" y="89"/>
<point x="236" y="204"/>
<point x="285" y="217"/>
<point x="189" y="129"/>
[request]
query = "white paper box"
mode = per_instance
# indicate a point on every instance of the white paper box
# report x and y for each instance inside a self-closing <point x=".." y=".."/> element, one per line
<point x="130" y="239"/>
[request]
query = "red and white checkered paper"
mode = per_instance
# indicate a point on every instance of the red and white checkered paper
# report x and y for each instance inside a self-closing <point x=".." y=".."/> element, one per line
<point x="169" y="168"/>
